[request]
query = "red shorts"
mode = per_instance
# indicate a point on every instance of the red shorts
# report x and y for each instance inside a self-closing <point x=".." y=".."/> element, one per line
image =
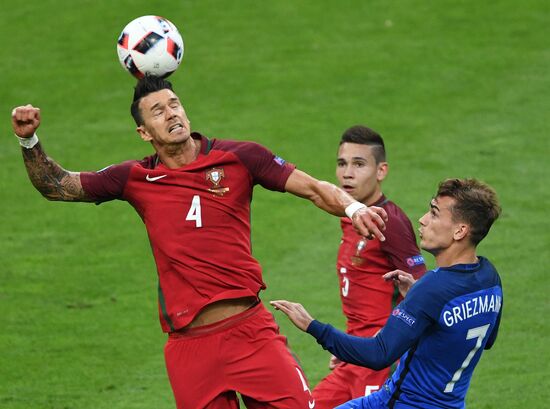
<point x="347" y="382"/>
<point x="245" y="353"/>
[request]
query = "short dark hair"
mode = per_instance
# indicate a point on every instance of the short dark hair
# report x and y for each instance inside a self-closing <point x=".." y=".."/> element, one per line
<point x="476" y="204"/>
<point x="365" y="136"/>
<point x="144" y="87"/>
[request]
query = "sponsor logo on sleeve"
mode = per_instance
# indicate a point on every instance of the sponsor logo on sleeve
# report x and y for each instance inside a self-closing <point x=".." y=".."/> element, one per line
<point x="279" y="161"/>
<point x="404" y="316"/>
<point x="415" y="260"/>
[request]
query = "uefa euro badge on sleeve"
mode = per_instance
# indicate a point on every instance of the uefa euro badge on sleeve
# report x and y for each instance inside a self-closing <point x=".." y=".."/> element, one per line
<point x="215" y="176"/>
<point x="357" y="260"/>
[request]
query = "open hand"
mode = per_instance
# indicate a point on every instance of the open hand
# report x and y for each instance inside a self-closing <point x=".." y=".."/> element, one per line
<point x="295" y="312"/>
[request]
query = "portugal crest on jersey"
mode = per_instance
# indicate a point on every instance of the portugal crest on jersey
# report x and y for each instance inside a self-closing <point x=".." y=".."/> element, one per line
<point x="215" y="176"/>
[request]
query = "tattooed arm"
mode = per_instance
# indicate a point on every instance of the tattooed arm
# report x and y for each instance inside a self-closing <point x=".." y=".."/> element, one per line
<point x="50" y="179"/>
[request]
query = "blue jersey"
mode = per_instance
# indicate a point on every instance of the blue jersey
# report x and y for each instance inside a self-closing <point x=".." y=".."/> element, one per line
<point x="439" y="330"/>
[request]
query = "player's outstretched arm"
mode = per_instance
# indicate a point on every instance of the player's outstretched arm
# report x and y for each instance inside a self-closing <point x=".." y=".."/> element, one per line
<point x="50" y="179"/>
<point x="375" y="352"/>
<point x="367" y="221"/>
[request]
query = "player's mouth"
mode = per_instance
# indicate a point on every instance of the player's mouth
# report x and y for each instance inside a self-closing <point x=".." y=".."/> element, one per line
<point x="348" y="188"/>
<point x="175" y="128"/>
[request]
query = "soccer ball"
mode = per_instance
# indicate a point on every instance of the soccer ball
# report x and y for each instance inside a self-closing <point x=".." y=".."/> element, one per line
<point x="150" y="45"/>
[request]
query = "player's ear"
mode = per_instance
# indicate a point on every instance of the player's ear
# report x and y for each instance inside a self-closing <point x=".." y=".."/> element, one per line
<point x="461" y="231"/>
<point x="143" y="133"/>
<point x="381" y="171"/>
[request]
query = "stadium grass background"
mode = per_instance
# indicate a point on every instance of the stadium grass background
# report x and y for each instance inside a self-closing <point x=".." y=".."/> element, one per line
<point x="458" y="89"/>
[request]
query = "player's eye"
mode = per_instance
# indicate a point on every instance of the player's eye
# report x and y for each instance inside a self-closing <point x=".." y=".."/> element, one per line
<point x="341" y="164"/>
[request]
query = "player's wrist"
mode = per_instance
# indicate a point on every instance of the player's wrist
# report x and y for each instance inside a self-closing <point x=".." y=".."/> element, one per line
<point x="29" y="142"/>
<point x="352" y="208"/>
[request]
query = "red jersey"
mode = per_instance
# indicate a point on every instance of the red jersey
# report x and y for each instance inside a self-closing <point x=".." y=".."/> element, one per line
<point x="367" y="300"/>
<point x="198" y="220"/>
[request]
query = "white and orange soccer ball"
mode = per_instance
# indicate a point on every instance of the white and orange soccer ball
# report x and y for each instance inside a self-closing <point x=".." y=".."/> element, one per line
<point x="150" y="45"/>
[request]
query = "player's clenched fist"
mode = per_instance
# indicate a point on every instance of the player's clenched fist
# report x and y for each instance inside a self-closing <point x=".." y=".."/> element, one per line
<point x="25" y="120"/>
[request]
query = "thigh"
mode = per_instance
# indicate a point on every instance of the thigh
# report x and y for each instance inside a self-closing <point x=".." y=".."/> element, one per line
<point x="194" y="374"/>
<point x="283" y="388"/>
<point x="263" y="370"/>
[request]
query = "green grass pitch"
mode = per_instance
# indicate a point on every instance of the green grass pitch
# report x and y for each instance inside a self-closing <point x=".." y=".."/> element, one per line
<point x="458" y="89"/>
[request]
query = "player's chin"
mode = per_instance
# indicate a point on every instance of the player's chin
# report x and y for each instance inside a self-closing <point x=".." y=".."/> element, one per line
<point x="424" y="245"/>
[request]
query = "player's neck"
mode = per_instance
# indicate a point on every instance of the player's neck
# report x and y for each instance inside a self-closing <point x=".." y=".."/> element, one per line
<point x="178" y="155"/>
<point x="456" y="255"/>
<point x="374" y="197"/>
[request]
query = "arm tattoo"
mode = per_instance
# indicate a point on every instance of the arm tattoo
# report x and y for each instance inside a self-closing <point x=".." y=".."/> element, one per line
<point x="50" y="179"/>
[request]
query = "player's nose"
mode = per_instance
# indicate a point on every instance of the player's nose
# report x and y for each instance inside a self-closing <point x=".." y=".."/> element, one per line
<point x="170" y="112"/>
<point x="422" y="220"/>
<point x="348" y="172"/>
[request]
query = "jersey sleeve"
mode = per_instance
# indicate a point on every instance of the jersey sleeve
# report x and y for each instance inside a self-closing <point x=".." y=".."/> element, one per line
<point x="407" y="323"/>
<point x="266" y="169"/>
<point x="376" y="353"/>
<point x="107" y="183"/>
<point x="400" y="246"/>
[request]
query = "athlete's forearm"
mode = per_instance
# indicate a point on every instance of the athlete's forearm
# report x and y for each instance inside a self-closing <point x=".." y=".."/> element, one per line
<point x="324" y="195"/>
<point x="355" y="350"/>
<point x="376" y="353"/>
<point x="330" y="198"/>
<point x="367" y="221"/>
<point x="50" y="179"/>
